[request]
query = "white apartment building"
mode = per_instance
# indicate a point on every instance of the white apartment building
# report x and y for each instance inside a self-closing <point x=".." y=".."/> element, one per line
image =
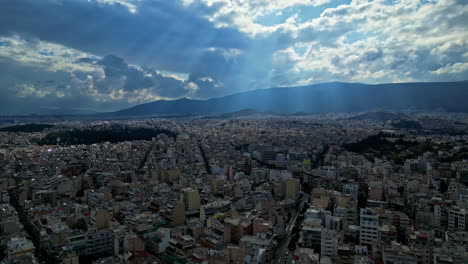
<point x="369" y="227"/>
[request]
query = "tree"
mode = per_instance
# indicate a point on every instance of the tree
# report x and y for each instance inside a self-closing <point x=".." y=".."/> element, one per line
<point x="443" y="187"/>
<point x="401" y="190"/>
<point x="401" y="235"/>
<point x="119" y="216"/>
<point x="362" y="196"/>
<point x="80" y="224"/>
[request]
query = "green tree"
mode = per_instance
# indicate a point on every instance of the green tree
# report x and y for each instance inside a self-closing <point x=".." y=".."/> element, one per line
<point x="80" y="224"/>
<point x="443" y="187"/>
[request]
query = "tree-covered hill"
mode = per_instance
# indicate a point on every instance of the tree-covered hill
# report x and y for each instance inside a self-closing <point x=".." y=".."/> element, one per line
<point x="112" y="134"/>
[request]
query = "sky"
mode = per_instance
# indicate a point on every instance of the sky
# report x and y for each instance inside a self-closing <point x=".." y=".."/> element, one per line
<point x="75" y="56"/>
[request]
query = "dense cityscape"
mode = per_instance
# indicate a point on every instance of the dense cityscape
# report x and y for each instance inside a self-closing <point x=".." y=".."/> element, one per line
<point x="234" y="132"/>
<point x="332" y="188"/>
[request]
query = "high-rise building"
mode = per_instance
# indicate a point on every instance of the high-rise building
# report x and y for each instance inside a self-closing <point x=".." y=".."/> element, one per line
<point x="369" y="222"/>
<point x="457" y="218"/>
<point x="178" y="215"/>
<point x="99" y="243"/>
<point x="235" y="228"/>
<point x="190" y="198"/>
<point x="168" y="176"/>
<point x="103" y="219"/>
<point x="18" y="248"/>
<point x="311" y="235"/>
<point x="329" y="243"/>
<point x="290" y="187"/>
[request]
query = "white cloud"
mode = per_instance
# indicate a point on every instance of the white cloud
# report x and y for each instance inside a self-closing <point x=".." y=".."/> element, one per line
<point x="455" y="68"/>
<point x="374" y="41"/>
<point x="131" y="5"/>
<point x="58" y="58"/>
<point x="242" y="14"/>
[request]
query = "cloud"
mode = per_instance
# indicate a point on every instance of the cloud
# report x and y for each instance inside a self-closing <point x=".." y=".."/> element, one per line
<point x="159" y="33"/>
<point x="455" y="68"/>
<point x="80" y="79"/>
<point x="124" y="81"/>
<point x="59" y="52"/>
<point x="209" y="86"/>
<point x="242" y="14"/>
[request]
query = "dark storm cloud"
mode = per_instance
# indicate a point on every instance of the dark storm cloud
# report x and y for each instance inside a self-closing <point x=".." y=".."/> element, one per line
<point x="115" y="67"/>
<point x="24" y="89"/>
<point x="29" y="89"/>
<point x="136" y="78"/>
<point x="170" y="87"/>
<point x="161" y="34"/>
<point x="208" y="87"/>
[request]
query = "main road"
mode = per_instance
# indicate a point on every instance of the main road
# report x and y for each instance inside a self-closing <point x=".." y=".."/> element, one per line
<point x="282" y="249"/>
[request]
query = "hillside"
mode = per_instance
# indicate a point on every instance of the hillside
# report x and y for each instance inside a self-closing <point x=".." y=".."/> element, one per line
<point x="320" y="98"/>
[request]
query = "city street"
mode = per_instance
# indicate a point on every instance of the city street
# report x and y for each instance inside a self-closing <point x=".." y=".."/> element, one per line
<point x="282" y="249"/>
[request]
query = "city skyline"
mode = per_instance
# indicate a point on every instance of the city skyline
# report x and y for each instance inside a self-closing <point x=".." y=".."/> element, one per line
<point x="345" y="188"/>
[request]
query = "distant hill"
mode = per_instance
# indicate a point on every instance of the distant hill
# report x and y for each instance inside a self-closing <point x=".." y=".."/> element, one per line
<point x="397" y="120"/>
<point x="407" y="124"/>
<point x="320" y="98"/>
<point x="237" y="114"/>
<point x="244" y="112"/>
<point x="380" y="116"/>
<point x="241" y="113"/>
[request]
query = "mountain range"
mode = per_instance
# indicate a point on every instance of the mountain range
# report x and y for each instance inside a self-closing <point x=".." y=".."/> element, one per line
<point x="320" y="98"/>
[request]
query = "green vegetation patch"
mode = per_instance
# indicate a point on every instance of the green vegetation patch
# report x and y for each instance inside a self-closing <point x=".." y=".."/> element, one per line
<point x="111" y="134"/>
<point x="28" y="128"/>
